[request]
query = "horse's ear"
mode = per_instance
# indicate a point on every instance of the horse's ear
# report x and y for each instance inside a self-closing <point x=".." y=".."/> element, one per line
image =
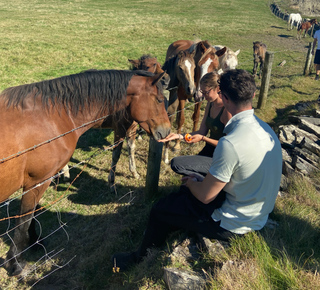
<point x="180" y="53"/>
<point x="202" y="47"/>
<point x="157" y="78"/>
<point x="237" y="52"/>
<point x="221" y="51"/>
<point x="193" y="53"/>
<point x="135" y="62"/>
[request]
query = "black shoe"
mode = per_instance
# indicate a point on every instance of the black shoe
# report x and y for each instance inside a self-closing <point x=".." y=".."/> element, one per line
<point x="123" y="261"/>
<point x="317" y="77"/>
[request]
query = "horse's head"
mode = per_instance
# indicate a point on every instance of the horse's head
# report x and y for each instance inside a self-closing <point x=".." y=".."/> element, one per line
<point x="259" y="51"/>
<point x="145" y="62"/>
<point x="150" y="64"/>
<point x="146" y="104"/>
<point x="313" y="21"/>
<point x="256" y="47"/>
<point x="207" y="63"/>
<point x="185" y="67"/>
<point x="231" y="60"/>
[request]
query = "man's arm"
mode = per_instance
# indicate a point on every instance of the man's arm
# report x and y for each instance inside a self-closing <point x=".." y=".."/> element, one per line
<point x="207" y="190"/>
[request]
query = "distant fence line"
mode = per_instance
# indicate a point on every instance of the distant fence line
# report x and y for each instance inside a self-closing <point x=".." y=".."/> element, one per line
<point x="276" y="10"/>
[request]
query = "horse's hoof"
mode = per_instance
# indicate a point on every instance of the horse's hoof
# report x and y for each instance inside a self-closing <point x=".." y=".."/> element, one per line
<point x="136" y="175"/>
<point x="112" y="187"/>
<point x="16" y="268"/>
<point x="176" y="149"/>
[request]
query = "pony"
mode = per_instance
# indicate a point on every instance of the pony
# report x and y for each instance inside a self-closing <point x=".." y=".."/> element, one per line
<point x="123" y="129"/>
<point x="229" y="60"/>
<point x="305" y="26"/>
<point x="294" y="18"/>
<point x="205" y="59"/>
<point x="127" y="130"/>
<point x="42" y="122"/>
<point x="259" y="53"/>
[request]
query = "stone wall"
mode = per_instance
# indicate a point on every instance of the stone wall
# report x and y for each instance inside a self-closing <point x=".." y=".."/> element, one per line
<point x="300" y="145"/>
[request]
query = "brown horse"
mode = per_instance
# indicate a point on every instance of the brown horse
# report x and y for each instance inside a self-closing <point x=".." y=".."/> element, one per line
<point x="42" y="122"/>
<point x="259" y="53"/>
<point x="205" y="59"/>
<point x="124" y="129"/>
<point x="305" y="26"/>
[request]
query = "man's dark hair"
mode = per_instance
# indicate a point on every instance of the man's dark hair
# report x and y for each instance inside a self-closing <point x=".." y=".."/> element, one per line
<point x="238" y="85"/>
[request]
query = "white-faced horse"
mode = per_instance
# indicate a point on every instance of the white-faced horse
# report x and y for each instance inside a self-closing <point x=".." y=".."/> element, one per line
<point x="227" y="61"/>
<point x="294" y="19"/>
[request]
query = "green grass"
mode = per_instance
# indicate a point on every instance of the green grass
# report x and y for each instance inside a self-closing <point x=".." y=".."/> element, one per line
<point x="46" y="39"/>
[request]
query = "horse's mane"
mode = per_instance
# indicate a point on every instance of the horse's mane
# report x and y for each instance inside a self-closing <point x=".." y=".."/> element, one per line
<point x="141" y="59"/>
<point x="101" y="87"/>
<point x="169" y="68"/>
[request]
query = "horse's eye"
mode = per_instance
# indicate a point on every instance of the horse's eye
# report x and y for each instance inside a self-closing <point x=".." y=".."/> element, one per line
<point x="160" y="99"/>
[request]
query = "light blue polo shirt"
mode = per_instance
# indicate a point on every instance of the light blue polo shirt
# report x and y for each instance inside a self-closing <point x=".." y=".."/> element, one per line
<point x="249" y="160"/>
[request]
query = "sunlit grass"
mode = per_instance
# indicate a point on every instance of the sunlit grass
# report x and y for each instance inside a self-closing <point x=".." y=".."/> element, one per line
<point x="46" y="39"/>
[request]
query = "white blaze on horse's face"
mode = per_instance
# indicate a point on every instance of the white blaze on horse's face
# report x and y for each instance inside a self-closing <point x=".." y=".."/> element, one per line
<point x="188" y="66"/>
<point x="205" y="67"/>
<point x="203" y="70"/>
<point x="191" y="76"/>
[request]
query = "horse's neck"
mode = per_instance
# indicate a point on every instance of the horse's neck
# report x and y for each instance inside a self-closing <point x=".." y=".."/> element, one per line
<point x="170" y="68"/>
<point x="92" y="118"/>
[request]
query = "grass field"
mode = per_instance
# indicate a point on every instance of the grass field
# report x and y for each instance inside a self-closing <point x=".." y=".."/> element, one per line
<point x="46" y="39"/>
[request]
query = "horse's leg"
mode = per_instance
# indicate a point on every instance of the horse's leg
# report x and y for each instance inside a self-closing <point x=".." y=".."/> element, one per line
<point x="259" y="74"/>
<point x="115" y="155"/>
<point x="24" y="227"/>
<point x="255" y="67"/>
<point x="131" y="137"/>
<point x="196" y="115"/>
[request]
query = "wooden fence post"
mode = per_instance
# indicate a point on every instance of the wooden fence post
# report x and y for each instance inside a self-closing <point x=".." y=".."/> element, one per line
<point x="153" y="168"/>
<point x="308" y="61"/>
<point x="311" y="33"/>
<point x="266" y="74"/>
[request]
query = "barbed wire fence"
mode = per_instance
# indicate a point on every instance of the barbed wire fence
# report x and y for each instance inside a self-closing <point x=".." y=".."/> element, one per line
<point x="4" y="206"/>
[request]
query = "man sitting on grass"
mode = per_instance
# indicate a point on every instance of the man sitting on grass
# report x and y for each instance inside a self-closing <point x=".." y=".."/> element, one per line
<point x="240" y="190"/>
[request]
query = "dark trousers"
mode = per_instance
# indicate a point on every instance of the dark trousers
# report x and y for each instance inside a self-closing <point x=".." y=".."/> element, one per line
<point x="317" y="57"/>
<point x="191" y="164"/>
<point x="181" y="210"/>
<point x="194" y="164"/>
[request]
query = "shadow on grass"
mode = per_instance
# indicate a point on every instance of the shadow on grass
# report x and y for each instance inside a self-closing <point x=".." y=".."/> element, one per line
<point x="296" y="239"/>
<point x="278" y="27"/>
<point x="285" y="36"/>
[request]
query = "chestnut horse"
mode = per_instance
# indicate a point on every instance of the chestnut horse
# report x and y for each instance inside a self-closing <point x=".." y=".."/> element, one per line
<point x="305" y="26"/>
<point x="42" y="122"/>
<point x="205" y="59"/>
<point x="259" y="53"/>
<point x="124" y="129"/>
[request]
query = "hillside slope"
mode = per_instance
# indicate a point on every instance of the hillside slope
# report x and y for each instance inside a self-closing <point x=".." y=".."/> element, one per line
<point x="307" y="7"/>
